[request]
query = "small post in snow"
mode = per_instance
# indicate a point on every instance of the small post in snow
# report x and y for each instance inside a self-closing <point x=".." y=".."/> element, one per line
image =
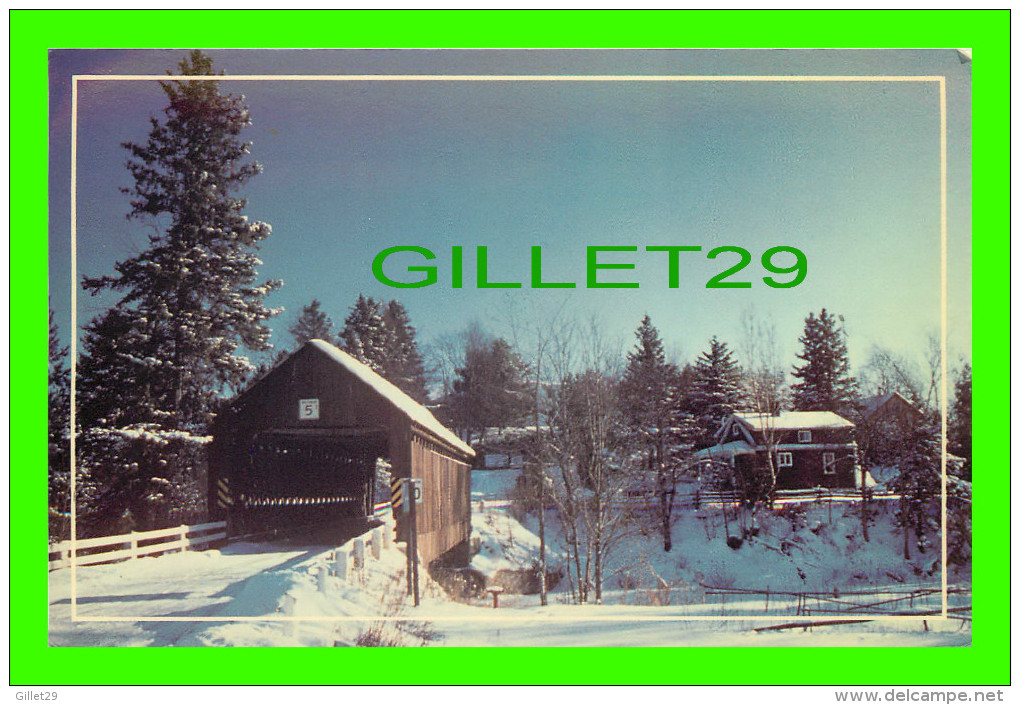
<point x="386" y="532"/>
<point x="340" y="564"/>
<point x="377" y="542"/>
<point x="359" y="554"/>
<point x="495" y="591"/>
<point x="323" y="579"/>
<point x="134" y="545"/>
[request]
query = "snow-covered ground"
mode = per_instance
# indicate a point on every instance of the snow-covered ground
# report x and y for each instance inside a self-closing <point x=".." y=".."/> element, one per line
<point x="239" y="595"/>
<point x="493" y="484"/>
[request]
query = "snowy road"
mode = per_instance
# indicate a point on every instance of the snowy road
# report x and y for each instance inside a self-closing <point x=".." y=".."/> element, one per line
<point x="241" y="580"/>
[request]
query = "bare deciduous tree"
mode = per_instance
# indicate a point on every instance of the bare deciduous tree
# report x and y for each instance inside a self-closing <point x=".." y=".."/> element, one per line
<point x="887" y="371"/>
<point x="532" y="331"/>
<point x="585" y="445"/>
<point x="763" y="382"/>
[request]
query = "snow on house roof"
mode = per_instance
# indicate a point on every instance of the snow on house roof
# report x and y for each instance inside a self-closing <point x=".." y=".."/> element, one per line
<point x="725" y="450"/>
<point x="405" y="404"/>
<point x="794" y="420"/>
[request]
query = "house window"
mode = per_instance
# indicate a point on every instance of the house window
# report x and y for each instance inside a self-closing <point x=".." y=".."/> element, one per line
<point x="803" y="436"/>
<point x="785" y="460"/>
<point x="829" y="463"/>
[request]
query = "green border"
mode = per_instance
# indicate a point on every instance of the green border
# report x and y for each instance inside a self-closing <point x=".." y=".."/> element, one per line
<point x="33" y="32"/>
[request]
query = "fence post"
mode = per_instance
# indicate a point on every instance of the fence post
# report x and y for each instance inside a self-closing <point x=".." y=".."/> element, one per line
<point x="323" y="579"/>
<point x="134" y="546"/>
<point x="359" y="554"/>
<point x="340" y="564"/>
<point x="184" y="538"/>
<point x="377" y="544"/>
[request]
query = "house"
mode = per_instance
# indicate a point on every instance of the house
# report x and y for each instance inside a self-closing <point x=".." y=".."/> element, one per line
<point x="809" y="448"/>
<point x="891" y="407"/>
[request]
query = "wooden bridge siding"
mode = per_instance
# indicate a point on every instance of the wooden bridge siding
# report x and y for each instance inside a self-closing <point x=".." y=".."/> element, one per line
<point x="344" y="400"/>
<point x="444" y="522"/>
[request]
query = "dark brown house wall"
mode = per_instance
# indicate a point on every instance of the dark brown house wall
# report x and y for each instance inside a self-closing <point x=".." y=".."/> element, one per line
<point x="807" y="470"/>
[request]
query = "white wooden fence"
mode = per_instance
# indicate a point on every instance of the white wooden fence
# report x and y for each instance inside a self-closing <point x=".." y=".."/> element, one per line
<point x="178" y="538"/>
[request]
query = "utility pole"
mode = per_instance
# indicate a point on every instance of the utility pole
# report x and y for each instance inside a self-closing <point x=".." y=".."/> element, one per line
<point x="413" y="543"/>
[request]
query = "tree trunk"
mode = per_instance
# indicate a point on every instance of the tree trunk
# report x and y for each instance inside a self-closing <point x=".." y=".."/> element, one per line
<point x="542" y="588"/>
<point x="906" y="534"/>
<point x="664" y="511"/>
<point x="543" y="594"/>
<point x="665" y="493"/>
<point x="864" y="514"/>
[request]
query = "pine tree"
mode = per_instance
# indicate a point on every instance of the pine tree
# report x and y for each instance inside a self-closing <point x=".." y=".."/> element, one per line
<point x="364" y="336"/>
<point x="311" y="324"/>
<point x="404" y="365"/>
<point x="158" y="360"/>
<point x="59" y="435"/>
<point x="135" y="470"/>
<point x="649" y="400"/>
<point x="919" y="484"/>
<point x="194" y="289"/>
<point x="958" y="523"/>
<point x="825" y="382"/>
<point x="959" y="421"/>
<point x="491" y="388"/>
<point x="716" y="390"/>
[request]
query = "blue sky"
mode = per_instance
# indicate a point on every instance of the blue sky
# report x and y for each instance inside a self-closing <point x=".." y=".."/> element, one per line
<point x="847" y="172"/>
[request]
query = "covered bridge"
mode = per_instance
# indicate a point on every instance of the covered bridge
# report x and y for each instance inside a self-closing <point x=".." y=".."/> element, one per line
<point x="300" y="447"/>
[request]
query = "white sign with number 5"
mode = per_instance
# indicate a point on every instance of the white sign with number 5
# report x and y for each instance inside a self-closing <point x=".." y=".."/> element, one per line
<point x="308" y="409"/>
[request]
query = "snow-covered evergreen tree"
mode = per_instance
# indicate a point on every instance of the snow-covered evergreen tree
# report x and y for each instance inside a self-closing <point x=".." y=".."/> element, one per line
<point x="716" y="390"/>
<point x="825" y="382"/>
<point x="491" y="387"/>
<point x="649" y="399"/>
<point x="311" y="324"/>
<point x="194" y="290"/>
<point x="919" y="483"/>
<point x="404" y="365"/>
<point x="59" y="435"/>
<point x="157" y="361"/>
<point x="959" y="421"/>
<point x="958" y="523"/>
<point x="135" y="469"/>
<point x="365" y="336"/>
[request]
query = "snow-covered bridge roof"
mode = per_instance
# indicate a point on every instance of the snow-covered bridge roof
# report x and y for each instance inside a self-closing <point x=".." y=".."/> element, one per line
<point x="405" y="404"/>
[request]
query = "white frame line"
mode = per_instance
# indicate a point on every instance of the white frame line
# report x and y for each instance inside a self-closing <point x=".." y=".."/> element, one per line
<point x="941" y="80"/>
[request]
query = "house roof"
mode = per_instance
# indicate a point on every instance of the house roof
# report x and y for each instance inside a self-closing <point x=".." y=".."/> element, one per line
<point x="725" y="450"/>
<point x="389" y="391"/>
<point x="793" y="420"/>
<point x="874" y="403"/>
<point x="870" y="404"/>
